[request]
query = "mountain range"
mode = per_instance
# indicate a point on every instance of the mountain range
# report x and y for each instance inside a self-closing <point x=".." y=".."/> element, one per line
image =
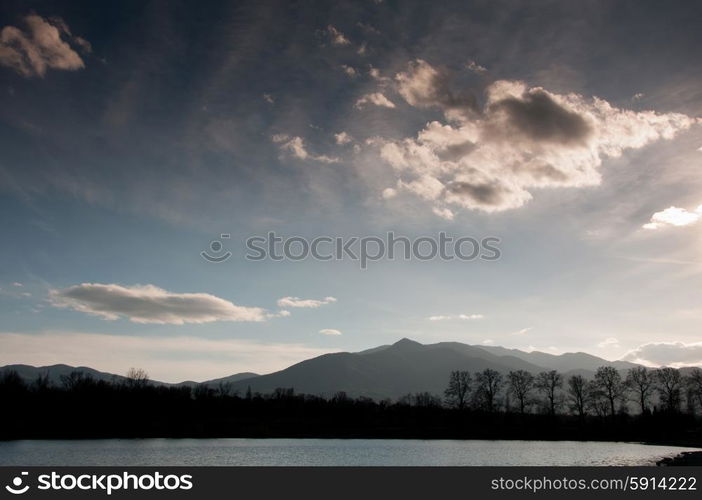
<point x="388" y="371"/>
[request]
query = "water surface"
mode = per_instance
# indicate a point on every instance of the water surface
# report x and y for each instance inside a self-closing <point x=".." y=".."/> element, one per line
<point x="343" y="452"/>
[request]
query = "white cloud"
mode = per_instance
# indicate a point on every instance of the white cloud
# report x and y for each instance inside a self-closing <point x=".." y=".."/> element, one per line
<point x="342" y="138"/>
<point x="376" y="99"/>
<point x="476" y="68"/>
<point x="150" y="304"/>
<point x="268" y="98"/>
<point x="44" y="45"/>
<point x="675" y="354"/>
<point x="306" y="303"/>
<point x="168" y="359"/>
<point x="674" y="216"/>
<point x="329" y="331"/>
<point x="608" y="342"/>
<point x="492" y="157"/>
<point x="389" y="193"/>
<point x="295" y="146"/>
<point x="336" y="36"/>
<point x="488" y="342"/>
<point x="523" y="331"/>
<point x="455" y="316"/>
<point x="17" y="283"/>
<point x="350" y="71"/>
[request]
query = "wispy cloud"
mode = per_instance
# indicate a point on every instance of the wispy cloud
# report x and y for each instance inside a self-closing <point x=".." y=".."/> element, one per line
<point x="150" y="304"/>
<point x="455" y="316"/>
<point x="376" y="99"/>
<point x="304" y="303"/>
<point x="296" y="147"/>
<point x="329" y="331"/>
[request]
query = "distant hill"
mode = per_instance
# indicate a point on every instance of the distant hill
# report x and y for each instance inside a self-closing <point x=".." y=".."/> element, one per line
<point x="408" y="367"/>
<point x="387" y="371"/>
<point x="55" y="372"/>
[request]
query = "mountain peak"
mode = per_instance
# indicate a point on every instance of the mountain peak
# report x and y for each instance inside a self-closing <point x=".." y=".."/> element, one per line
<point x="405" y="342"/>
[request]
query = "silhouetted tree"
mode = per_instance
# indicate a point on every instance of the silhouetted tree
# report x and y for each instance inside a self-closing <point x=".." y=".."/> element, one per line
<point x="609" y="381"/>
<point x="489" y="382"/>
<point x="596" y="399"/>
<point x="640" y="380"/>
<point x="426" y="400"/>
<point x="577" y="394"/>
<point x="137" y="378"/>
<point x="458" y="390"/>
<point x="669" y="386"/>
<point x="694" y="382"/>
<point x="521" y="383"/>
<point x="549" y="382"/>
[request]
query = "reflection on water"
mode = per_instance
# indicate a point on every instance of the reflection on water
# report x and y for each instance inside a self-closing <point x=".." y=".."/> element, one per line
<point x="345" y="452"/>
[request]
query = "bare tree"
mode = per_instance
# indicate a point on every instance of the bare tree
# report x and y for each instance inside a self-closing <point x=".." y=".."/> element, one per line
<point x="137" y="378"/>
<point x="489" y="383"/>
<point x="458" y="390"/>
<point x="669" y="386"/>
<point x="521" y="383"/>
<point x="694" y="382"/>
<point x="641" y="382"/>
<point x="609" y="381"/>
<point x="577" y="394"/>
<point x="595" y="399"/>
<point x="549" y="382"/>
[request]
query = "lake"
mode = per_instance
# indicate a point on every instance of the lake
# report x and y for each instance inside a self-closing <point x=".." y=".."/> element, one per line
<point x="316" y="452"/>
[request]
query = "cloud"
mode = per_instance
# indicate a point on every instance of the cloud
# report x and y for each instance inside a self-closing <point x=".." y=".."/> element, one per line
<point x="168" y="359"/>
<point x="268" y="98"/>
<point x="43" y="45"/>
<point x="425" y="86"/>
<point x="523" y="331"/>
<point x="675" y="354"/>
<point x="674" y="216"/>
<point x="608" y="342"/>
<point x="336" y="36"/>
<point x="342" y="138"/>
<point x="350" y="71"/>
<point x="17" y="283"/>
<point x="491" y="158"/>
<point x="295" y="146"/>
<point x="306" y="303"/>
<point x="150" y="304"/>
<point x="376" y="99"/>
<point x="329" y="331"/>
<point x="475" y="67"/>
<point x="455" y="316"/>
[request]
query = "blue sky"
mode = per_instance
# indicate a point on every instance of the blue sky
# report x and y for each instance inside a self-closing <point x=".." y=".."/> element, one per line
<point x="134" y="134"/>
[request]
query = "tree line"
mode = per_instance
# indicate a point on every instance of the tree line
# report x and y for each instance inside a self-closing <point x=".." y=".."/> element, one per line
<point x="482" y="405"/>
<point x="606" y="394"/>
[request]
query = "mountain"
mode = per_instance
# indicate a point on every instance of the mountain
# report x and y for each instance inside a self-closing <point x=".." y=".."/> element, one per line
<point x="54" y="372"/>
<point x="387" y="371"/>
<point x="404" y="367"/>
<point x="561" y="362"/>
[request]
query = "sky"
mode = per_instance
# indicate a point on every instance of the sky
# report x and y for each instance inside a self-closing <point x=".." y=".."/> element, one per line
<point x="133" y="135"/>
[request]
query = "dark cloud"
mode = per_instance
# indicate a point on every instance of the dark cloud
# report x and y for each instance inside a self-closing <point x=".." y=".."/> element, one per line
<point x="487" y="193"/>
<point x="540" y="118"/>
